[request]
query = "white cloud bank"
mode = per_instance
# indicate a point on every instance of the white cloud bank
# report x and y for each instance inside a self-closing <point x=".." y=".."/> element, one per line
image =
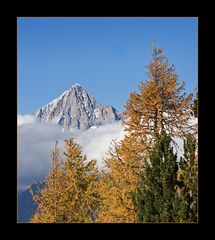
<point x="36" y="140"/>
<point x="23" y="119"/>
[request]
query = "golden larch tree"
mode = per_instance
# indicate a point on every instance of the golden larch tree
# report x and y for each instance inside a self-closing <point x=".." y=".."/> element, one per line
<point x="160" y="105"/>
<point x="81" y="177"/>
<point x="117" y="182"/>
<point x="70" y="192"/>
<point x="51" y="208"/>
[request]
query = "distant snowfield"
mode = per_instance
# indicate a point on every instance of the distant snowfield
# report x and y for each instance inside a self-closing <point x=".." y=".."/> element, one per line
<point x="36" y="140"/>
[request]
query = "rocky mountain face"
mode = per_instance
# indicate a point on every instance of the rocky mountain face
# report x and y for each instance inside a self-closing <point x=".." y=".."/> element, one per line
<point x="77" y="109"/>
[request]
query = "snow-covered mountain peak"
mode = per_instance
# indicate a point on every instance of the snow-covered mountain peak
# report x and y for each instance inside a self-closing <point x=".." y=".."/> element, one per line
<point x="76" y="108"/>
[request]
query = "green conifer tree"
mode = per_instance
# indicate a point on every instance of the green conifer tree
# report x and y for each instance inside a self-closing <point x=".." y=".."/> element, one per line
<point x="186" y="198"/>
<point x="153" y="198"/>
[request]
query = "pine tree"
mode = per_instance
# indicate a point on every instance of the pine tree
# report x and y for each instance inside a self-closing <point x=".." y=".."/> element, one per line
<point x="186" y="199"/>
<point x="153" y="199"/>
<point x="160" y="105"/>
<point x="70" y="192"/>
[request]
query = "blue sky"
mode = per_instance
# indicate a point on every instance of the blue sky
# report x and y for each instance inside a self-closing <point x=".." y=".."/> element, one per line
<point x="107" y="56"/>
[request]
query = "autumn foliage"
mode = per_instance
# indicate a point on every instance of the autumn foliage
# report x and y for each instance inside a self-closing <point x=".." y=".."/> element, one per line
<point x="160" y="105"/>
<point x="70" y="193"/>
<point x="118" y="180"/>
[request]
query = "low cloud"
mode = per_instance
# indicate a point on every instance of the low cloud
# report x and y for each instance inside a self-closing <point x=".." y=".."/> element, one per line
<point x="24" y="119"/>
<point x="36" y="140"/>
